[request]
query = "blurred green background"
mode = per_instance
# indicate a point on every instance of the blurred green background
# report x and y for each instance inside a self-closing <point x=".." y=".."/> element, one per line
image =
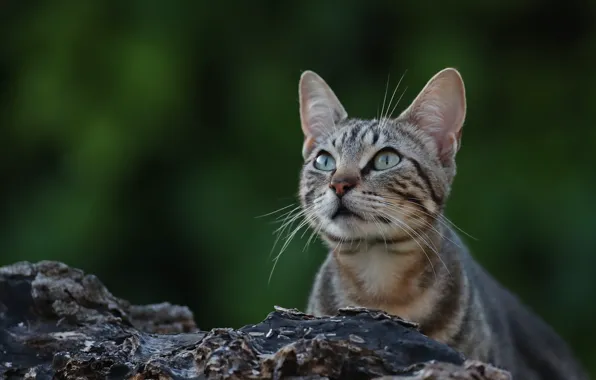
<point x="140" y="140"/>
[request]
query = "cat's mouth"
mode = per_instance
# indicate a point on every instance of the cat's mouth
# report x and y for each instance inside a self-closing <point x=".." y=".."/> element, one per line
<point x="344" y="212"/>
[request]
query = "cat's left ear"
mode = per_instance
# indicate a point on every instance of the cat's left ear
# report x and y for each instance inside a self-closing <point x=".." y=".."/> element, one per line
<point x="440" y="110"/>
<point x="320" y="110"/>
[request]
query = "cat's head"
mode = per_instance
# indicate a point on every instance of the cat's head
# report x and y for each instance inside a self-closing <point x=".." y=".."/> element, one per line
<point x="380" y="178"/>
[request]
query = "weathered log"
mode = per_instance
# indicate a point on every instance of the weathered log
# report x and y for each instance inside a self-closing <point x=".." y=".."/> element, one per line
<point x="58" y="323"/>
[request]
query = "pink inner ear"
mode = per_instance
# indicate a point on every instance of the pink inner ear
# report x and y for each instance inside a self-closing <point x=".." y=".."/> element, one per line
<point x="440" y="109"/>
<point x="441" y="120"/>
<point x="320" y="110"/>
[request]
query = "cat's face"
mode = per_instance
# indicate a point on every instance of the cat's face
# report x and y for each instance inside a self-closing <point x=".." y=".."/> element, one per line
<point x="381" y="179"/>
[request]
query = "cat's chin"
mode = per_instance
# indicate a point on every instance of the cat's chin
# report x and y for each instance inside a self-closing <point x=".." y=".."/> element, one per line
<point x="351" y="228"/>
<point x="348" y="224"/>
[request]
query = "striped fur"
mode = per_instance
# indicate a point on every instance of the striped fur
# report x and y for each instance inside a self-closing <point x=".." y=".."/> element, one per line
<point x="396" y="252"/>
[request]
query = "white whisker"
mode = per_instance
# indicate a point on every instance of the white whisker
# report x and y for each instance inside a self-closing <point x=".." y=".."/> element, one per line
<point x="385" y="118"/>
<point x="413" y="235"/>
<point x="276" y="211"/>
<point x="405" y="228"/>
<point x="384" y="98"/>
<point x="289" y="238"/>
<point x="438" y="217"/>
<point x="415" y="214"/>
<point x="398" y="100"/>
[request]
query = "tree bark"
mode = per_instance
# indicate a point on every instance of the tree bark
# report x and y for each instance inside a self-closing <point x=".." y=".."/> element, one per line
<point x="58" y="323"/>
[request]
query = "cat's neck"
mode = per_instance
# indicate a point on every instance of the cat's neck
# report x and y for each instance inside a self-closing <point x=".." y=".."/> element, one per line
<point x="402" y="243"/>
<point x="372" y="272"/>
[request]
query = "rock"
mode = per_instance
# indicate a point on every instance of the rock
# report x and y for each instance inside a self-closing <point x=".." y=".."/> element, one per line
<point x="58" y="323"/>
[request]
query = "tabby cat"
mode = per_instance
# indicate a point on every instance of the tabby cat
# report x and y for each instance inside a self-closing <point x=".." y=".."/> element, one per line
<point x="375" y="191"/>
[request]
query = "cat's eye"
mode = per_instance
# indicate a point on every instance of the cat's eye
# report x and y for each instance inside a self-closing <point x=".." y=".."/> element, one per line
<point x="385" y="159"/>
<point x="325" y="162"/>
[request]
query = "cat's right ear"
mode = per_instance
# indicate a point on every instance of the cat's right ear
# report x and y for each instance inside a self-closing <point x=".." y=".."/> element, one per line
<point x="320" y="110"/>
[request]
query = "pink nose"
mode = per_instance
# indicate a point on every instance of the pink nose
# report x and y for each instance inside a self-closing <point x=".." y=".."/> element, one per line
<point x="342" y="184"/>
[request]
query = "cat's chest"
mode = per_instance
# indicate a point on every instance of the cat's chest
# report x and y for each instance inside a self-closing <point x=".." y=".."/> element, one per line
<point x="386" y="281"/>
<point x="376" y="272"/>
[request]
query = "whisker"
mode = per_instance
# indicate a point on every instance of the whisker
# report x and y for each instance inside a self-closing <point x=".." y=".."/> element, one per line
<point x="384" y="97"/>
<point x="314" y="233"/>
<point x="439" y="216"/>
<point x="413" y="235"/>
<point x="288" y="221"/>
<point x="431" y="246"/>
<point x="406" y="228"/>
<point x="385" y="118"/>
<point x="288" y="212"/>
<point x="290" y="237"/>
<point x="398" y="100"/>
<point x="416" y="214"/>
<point x="383" y="200"/>
<point x="276" y="211"/>
<point x="284" y="216"/>
<point x="376" y="221"/>
<point x="418" y="233"/>
<point x="426" y="242"/>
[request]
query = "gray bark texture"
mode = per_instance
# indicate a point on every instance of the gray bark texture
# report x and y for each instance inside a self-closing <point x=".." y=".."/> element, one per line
<point x="57" y="322"/>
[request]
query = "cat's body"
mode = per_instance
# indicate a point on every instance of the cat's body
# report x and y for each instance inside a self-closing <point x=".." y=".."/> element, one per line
<point x="375" y="190"/>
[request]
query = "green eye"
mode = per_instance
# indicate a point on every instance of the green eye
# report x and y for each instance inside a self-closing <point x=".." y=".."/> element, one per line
<point x="325" y="162"/>
<point x="385" y="159"/>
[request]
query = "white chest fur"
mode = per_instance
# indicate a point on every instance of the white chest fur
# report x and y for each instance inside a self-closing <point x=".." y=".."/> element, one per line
<point x="376" y="270"/>
<point x="380" y="279"/>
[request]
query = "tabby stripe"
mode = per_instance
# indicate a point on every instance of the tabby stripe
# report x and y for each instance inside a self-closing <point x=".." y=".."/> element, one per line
<point x="317" y="174"/>
<point x="308" y="198"/>
<point x="344" y="136"/>
<point x="445" y="309"/>
<point x="423" y="175"/>
<point x="398" y="182"/>
<point x="326" y="292"/>
<point x="363" y="134"/>
<point x="354" y="134"/>
<point x="410" y="197"/>
<point x="311" y="183"/>
<point x="375" y="137"/>
<point x="418" y="185"/>
<point x="464" y="327"/>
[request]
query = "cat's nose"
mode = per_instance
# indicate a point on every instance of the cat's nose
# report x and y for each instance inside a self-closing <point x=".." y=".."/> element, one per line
<point x="342" y="184"/>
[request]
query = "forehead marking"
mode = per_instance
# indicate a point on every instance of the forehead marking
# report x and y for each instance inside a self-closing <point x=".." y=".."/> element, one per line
<point x="354" y="133"/>
<point x="368" y="137"/>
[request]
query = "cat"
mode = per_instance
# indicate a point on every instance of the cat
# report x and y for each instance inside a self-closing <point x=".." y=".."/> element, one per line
<point x="375" y="191"/>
